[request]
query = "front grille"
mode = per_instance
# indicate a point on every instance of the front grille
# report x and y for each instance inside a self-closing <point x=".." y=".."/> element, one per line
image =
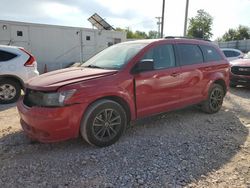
<point x="238" y="70"/>
<point x="33" y="98"/>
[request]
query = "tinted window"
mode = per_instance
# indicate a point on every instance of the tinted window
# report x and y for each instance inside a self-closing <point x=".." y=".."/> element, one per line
<point x="189" y="54"/>
<point x="229" y="53"/>
<point x="5" y="56"/>
<point x="162" y="55"/>
<point x="210" y="53"/>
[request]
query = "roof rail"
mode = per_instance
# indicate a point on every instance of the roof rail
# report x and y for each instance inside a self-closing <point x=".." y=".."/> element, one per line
<point x="182" y="37"/>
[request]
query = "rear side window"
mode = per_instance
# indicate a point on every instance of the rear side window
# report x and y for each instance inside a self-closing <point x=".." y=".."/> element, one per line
<point x="210" y="53"/>
<point x="230" y="53"/>
<point x="6" y="56"/>
<point x="189" y="54"/>
<point x="162" y="55"/>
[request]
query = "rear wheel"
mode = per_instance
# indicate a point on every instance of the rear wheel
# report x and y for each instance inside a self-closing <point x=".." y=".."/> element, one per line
<point x="10" y="91"/>
<point x="215" y="99"/>
<point x="103" y="123"/>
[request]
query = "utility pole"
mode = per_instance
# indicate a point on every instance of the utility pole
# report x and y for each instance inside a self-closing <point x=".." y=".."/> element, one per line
<point x="186" y="18"/>
<point x="159" y="26"/>
<point x="162" y="18"/>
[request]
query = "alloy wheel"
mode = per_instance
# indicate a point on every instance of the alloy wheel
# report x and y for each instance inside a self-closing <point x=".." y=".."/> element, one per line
<point x="216" y="98"/>
<point x="106" y="124"/>
<point x="7" y="92"/>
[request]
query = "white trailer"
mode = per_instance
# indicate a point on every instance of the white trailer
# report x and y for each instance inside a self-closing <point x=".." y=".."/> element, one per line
<point x="55" y="46"/>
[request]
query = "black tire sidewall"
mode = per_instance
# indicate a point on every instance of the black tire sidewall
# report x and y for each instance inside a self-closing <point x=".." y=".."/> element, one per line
<point x="207" y="104"/>
<point x="93" y="110"/>
<point x="16" y="86"/>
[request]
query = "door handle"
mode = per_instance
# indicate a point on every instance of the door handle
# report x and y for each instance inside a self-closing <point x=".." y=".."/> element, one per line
<point x="175" y="74"/>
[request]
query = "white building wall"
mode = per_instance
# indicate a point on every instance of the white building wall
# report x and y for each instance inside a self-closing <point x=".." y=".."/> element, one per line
<point x="57" y="46"/>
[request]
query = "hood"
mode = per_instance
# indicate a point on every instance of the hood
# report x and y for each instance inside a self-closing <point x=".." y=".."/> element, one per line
<point x="53" y="80"/>
<point x="240" y="62"/>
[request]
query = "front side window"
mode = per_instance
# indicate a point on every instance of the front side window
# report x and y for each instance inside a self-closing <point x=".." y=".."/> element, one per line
<point x="114" y="57"/>
<point x="162" y="55"/>
<point x="210" y="53"/>
<point x="189" y="54"/>
<point x="6" y="56"/>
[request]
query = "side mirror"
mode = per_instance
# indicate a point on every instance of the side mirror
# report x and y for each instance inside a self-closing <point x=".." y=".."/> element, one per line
<point x="144" y="65"/>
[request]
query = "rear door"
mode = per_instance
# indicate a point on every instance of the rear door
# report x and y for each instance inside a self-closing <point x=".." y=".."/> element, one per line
<point x="158" y="90"/>
<point x="191" y="65"/>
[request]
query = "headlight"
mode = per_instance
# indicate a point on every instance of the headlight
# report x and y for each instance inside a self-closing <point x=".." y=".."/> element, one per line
<point x="58" y="98"/>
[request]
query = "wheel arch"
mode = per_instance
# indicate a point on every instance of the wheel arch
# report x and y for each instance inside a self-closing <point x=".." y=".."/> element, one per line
<point x="222" y="83"/>
<point x="217" y="78"/>
<point x="14" y="78"/>
<point x="117" y="99"/>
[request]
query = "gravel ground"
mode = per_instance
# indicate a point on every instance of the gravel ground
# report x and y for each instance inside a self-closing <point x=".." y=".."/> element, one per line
<point x="185" y="148"/>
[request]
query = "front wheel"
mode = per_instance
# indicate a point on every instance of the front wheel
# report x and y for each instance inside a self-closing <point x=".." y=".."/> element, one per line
<point x="215" y="99"/>
<point x="103" y="123"/>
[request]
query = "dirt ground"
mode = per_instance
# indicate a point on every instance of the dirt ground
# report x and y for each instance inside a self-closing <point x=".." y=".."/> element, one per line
<point x="184" y="148"/>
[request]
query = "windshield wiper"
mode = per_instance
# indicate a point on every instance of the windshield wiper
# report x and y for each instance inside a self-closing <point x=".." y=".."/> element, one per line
<point x="94" y="66"/>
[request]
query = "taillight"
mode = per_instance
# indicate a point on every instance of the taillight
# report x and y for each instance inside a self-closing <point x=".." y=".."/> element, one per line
<point x="31" y="61"/>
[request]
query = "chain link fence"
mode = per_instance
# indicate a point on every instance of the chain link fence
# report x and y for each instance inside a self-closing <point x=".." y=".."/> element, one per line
<point x="243" y="45"/>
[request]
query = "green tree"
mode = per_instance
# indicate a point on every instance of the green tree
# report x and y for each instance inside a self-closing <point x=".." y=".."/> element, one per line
<point x="240" y="33"/>
<point x="200" y="26"/>
<point x="152" y="34"/>
<point x="139" y="34"/>
<point x="130" y="34"/>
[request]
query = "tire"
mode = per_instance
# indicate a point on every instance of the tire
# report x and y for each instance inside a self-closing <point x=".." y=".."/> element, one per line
<point x="103" y="123"/>
<point x="215" y="99"/>
<point x="10" y="91"/>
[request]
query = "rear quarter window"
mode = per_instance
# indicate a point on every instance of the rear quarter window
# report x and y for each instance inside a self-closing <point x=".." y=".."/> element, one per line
<point x="6" y="56"/>
<point x="189" y="54"/>
<point x="210" y="53"/>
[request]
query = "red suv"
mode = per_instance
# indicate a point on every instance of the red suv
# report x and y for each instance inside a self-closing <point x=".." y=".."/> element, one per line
<point x="240" y="72"/>
<point x="122" y="83"/>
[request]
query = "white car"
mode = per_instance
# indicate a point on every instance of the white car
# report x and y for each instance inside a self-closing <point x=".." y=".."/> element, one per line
<point x="232" y="54"/>
<point x="16" y="67"/>
<point x="247" y="55"/>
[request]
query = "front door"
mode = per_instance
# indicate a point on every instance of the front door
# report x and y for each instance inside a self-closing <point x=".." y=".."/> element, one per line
<point x="158" y="90"/>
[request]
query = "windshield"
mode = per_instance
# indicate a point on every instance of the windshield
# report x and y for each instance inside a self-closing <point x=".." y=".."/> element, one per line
<point x="114" y="57"/>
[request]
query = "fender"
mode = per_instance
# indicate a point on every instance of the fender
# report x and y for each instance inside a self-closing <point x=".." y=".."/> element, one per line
<point x="92" y="94"/>
<point x="216" y="77"/>
<point x="13" y="77"/>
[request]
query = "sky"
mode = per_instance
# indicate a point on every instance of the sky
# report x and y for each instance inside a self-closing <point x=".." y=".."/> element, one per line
<point x="132" y="14"/>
